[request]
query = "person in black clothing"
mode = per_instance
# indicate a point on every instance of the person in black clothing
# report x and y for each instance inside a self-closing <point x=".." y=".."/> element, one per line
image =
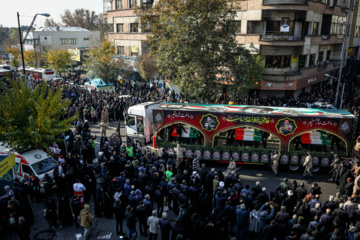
<point x="65" y="215"/>
<point x="142" y="215"/>
<point x="119" y="212"/>
<point x="50" y="212"/>
<point x="131" y="222"/>
<point x="165" y="227"/>
<point x="269" y="231"/>
<point x="76" y="208"/>
<point x="24" y="229"/>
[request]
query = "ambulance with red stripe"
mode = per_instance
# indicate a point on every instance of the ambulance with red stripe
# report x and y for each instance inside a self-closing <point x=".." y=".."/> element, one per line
<point x="32" y="161"/>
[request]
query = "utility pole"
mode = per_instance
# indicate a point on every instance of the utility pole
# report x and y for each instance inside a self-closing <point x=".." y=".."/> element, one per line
<point x="21" y="47"/>
<point x="344" y="50"/>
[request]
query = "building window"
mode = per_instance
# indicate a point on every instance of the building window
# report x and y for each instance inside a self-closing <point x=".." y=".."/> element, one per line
<point x="312" y="60"/>
<point x="134" y="28"/>
<point x="120" y="28"/>
<point x="277" y="61"/>
<point x="254" y="27"/>
<point x="132" y="3"/>
<point x="111" y="28"/>
<point x="357" y="32"/>
<point x="134" y="54"/>
<point x="321" y="57"/>
<point x="36" y="41"/>
<point x="119" y="4"/>
<point x="120" y="50"/>
<point x="338" y="25"/>
<point x="302" y="61"/>
<point x="315" y="28"/>
<point x="328" y="55"/>
<point x="63" y="41"/>
<point x="72" y="40"/>
<point x="86" y="39"/>
<point x="237" y="25"/>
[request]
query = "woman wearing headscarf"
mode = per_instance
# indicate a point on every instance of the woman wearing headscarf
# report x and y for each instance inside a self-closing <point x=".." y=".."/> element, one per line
<point x="50" y="212"/>
<point x="65" y="214"/>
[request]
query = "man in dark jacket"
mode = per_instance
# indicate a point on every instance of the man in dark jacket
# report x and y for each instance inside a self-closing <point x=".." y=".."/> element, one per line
<point x="269" y="231"/>
<point x="165" y="227"/>
<point x="76" y="208"/>
<point x="289" y="202"/>
<point x="142" y="215"/>
<point x="119" y="212"/>
<point x="131" y="222"/>
<point x="242" y="216"/>
<point x="300" y="192"/>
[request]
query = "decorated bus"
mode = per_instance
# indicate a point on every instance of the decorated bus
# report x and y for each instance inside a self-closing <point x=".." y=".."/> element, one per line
<point x="250" y="134"/>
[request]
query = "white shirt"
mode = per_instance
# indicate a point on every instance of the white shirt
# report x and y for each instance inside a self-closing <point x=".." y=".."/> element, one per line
<point x="79" y="187"/>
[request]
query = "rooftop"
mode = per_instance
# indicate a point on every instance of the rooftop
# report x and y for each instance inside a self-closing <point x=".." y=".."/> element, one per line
<point x="63" y="29"/>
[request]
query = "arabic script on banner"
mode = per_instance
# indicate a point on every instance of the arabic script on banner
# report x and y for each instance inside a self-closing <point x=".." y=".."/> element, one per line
<point x="248" y="119"/>
<point x="318" y="122"/>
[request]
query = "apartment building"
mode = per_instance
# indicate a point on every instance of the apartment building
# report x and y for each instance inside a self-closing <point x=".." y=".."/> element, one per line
<point x="298" y="40"/>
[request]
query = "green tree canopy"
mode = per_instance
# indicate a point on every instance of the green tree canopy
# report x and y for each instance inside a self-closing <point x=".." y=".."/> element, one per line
<point x="101" y="63"/>
<point x="31" y="117"/>
<point x="195" y="45"/>
<point x="59" y="60"/>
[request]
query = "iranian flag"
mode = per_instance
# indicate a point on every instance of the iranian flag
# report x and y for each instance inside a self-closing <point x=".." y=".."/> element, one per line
<point x="247" y="134"/>
<point x="316" y="138"/>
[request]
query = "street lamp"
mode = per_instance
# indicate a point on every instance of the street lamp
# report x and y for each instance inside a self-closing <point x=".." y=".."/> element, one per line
<point x="21" y="42"/>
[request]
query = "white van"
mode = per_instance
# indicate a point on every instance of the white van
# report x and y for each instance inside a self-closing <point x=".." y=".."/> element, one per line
<point x="32" y="161"/>
<point x="138" y="123"/>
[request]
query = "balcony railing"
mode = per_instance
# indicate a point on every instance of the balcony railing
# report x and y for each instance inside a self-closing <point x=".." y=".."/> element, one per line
<point x="297" y="2"/>
<point x="281" y="37"/>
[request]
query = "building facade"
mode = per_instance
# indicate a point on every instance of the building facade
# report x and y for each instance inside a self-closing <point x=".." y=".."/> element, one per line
<point x="298" y="40"/>
<point x="61" y="38"/>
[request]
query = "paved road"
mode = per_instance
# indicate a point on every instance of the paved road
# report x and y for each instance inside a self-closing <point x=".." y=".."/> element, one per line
<point x="249" y="175"/>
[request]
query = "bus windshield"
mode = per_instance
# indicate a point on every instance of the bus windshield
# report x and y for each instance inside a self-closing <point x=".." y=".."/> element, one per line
<point x="45" y="165"/>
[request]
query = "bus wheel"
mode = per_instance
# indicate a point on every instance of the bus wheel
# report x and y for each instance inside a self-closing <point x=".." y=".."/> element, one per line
<point x="294" y="167"/>
<point x="316" y="169"/>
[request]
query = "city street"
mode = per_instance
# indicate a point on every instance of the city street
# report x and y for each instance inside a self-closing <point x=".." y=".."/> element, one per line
<point x="249" y="175"/>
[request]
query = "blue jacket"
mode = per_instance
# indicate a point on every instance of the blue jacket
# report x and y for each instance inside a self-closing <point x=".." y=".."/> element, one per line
<point x="266" y="219"/>
<point x="242" y="216"/>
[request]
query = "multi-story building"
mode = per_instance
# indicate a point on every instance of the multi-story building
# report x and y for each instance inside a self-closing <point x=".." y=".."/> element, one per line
<point x="61" y="38"/>
<point x="298" y="40"/>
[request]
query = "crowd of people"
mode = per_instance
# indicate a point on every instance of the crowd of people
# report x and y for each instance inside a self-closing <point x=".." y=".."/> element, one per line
<point x="159" y="196"/>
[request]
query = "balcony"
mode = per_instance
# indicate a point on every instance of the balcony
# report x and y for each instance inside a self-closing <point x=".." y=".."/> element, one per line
<point x="296" y="2"/>
<point x="281" y="37"/>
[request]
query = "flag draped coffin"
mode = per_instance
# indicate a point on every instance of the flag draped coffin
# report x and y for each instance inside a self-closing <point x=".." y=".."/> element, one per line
<point x="316" y="138"/>
<point x="248" y="134"/>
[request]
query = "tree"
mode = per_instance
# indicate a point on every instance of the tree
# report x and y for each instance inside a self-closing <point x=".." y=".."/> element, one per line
<point x="101" y="63"/>
<point x="34" y="59"/>
<point x="49" y="22"/>
<point x="58" y="60"/>
<point x="15" y="61"/>
<point x="83" y="18"/>
<point x="148" y="67"/>
<point x="195" y="45"/>
<point x="31" y="117"/>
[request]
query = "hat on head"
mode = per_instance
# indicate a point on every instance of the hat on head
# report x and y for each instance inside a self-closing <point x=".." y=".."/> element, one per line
<point x="194" y="173"/>
<point x="290" y="193"/>
<point x="285" y="179"/>
<point x="222" y="184"/>
<point x="264" y="189"/>
<point x="86" y="206"/>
